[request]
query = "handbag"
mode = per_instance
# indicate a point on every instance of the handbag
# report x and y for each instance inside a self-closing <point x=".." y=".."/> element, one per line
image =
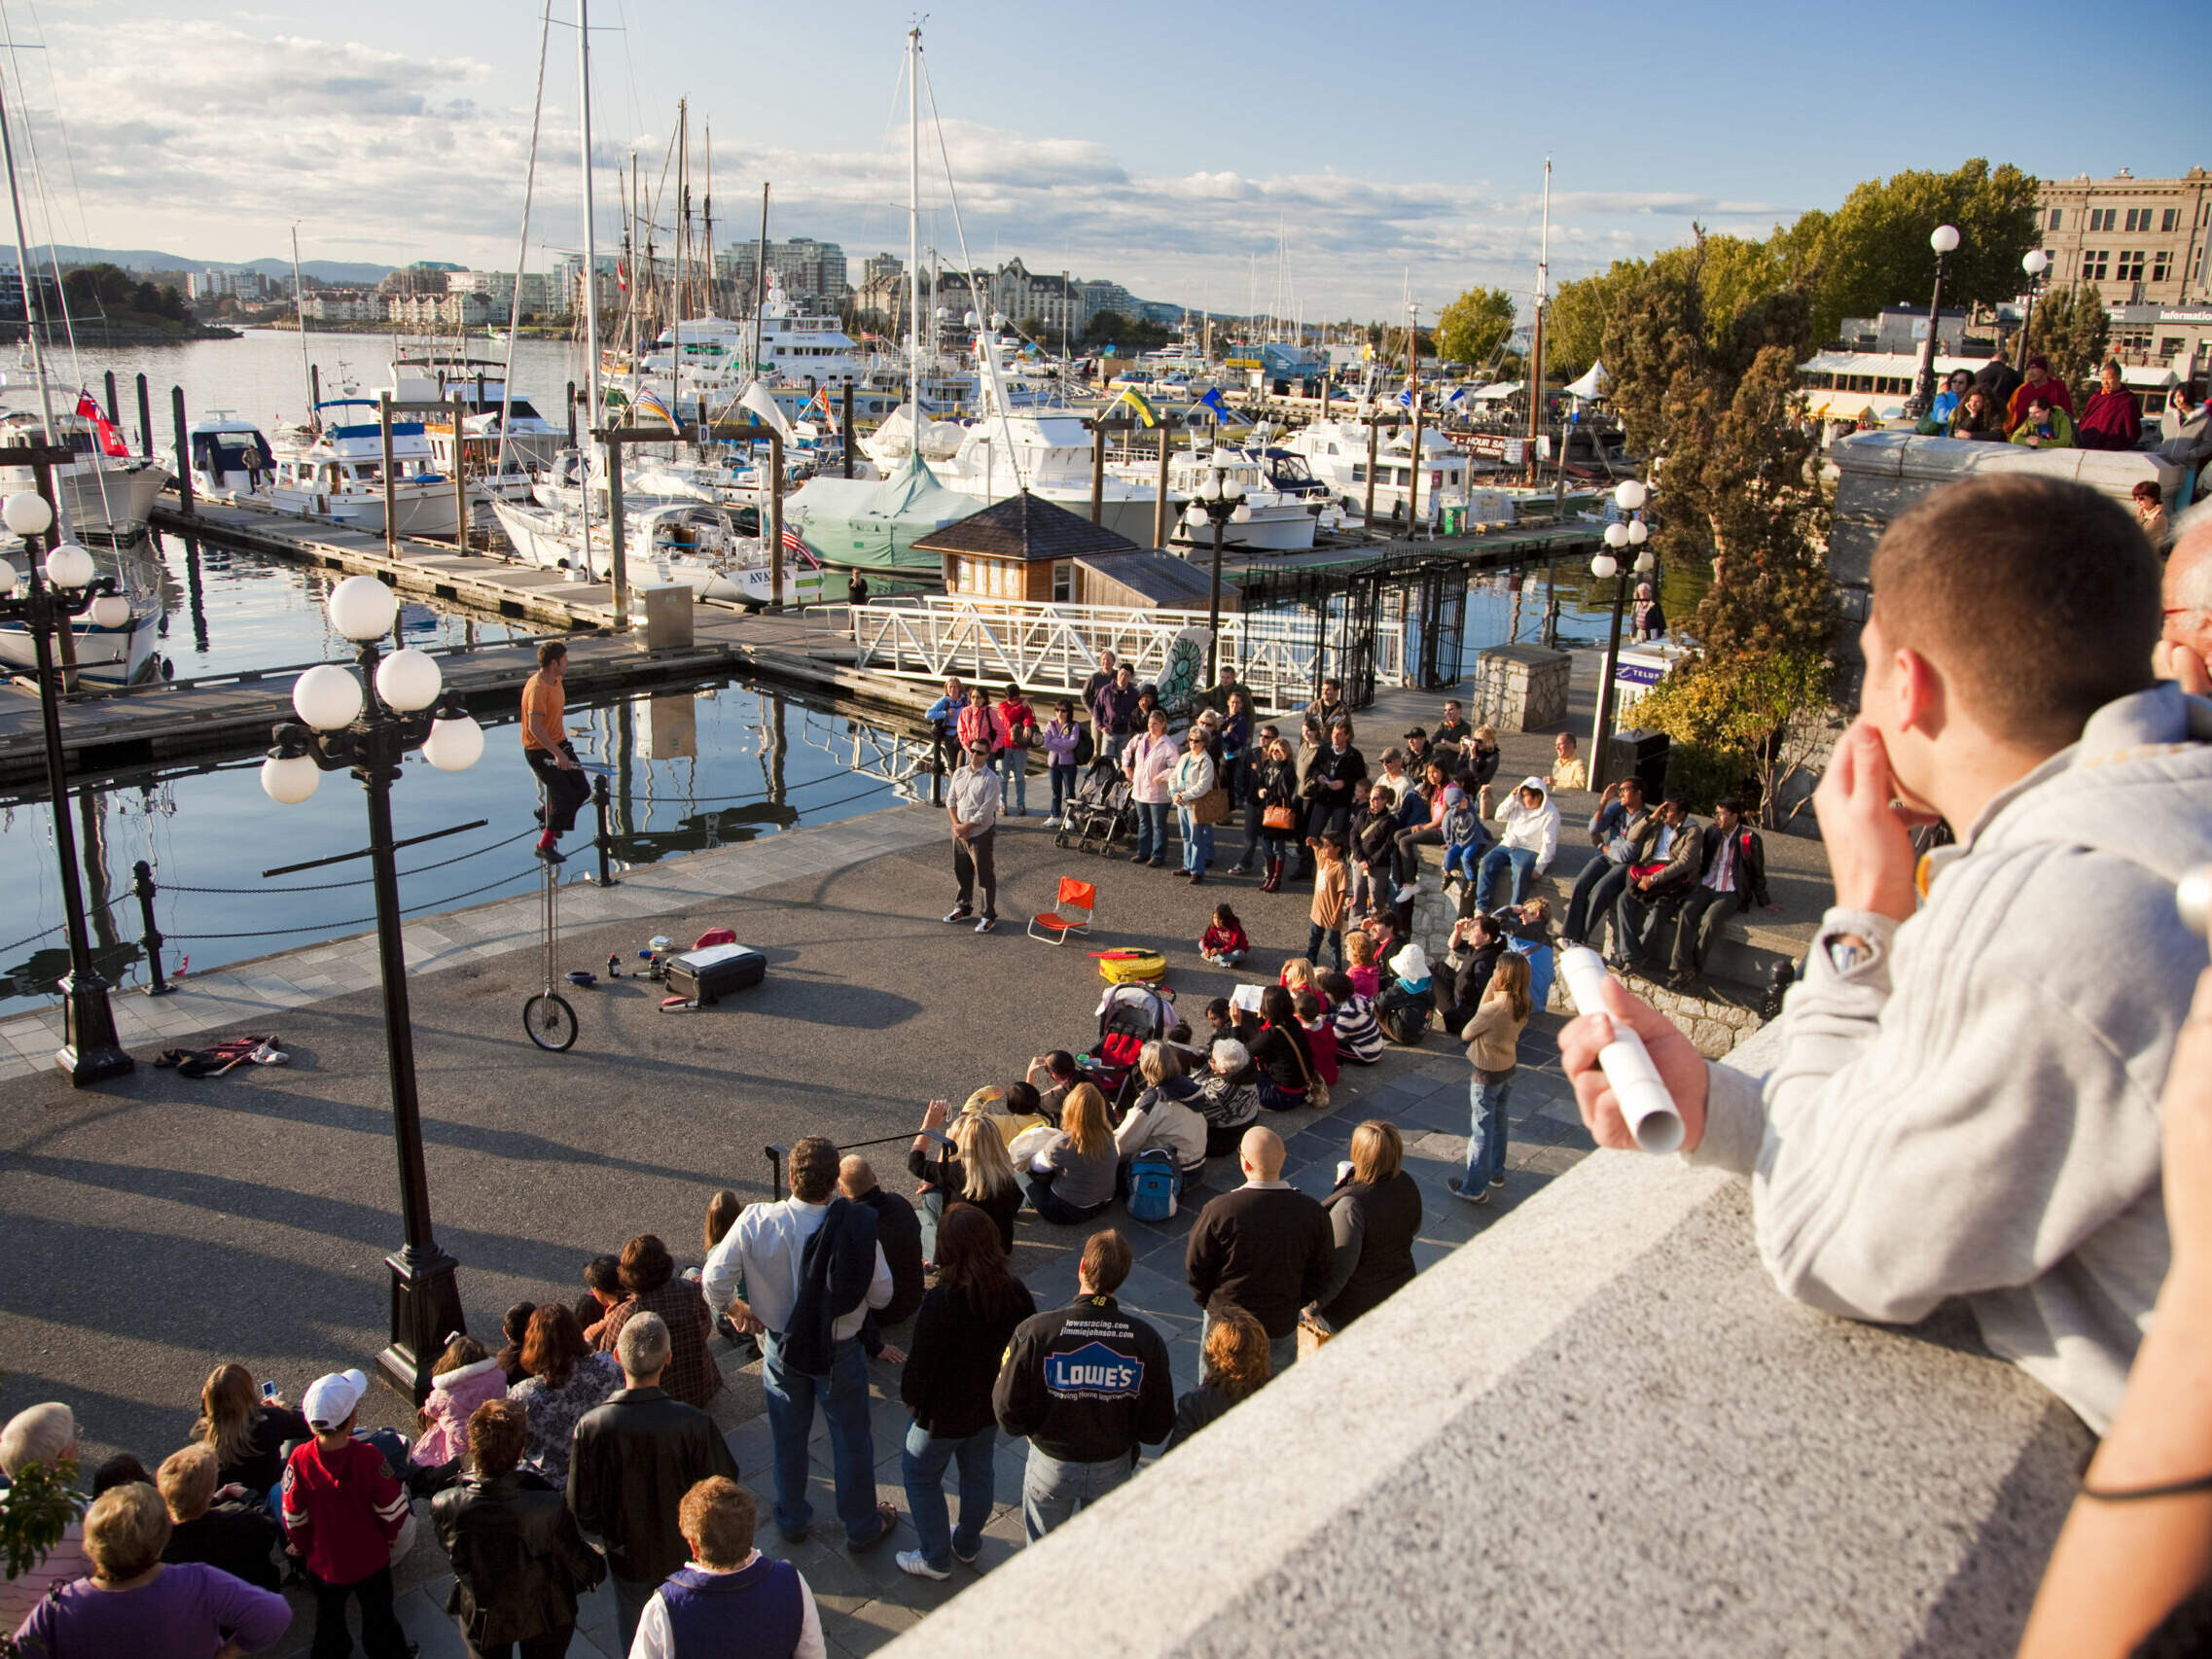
<point x="1316" y="1091"/>
<point x="1212" y="807"/>
<point x="1279" y="818"/>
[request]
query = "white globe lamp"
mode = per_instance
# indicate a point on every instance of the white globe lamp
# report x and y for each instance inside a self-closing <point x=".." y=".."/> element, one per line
<point x="327" y="697"/>
<point x="1944" y="238"/>
<point x="1603" y="566"/>
<point x="1242" y="515"/>
<point x="1616" y="535"/>
<point x="2035" y="261"/>
<point x="454" y="744"/>
<point x="1638" y="532"/>
<point x="69" y="566"/>
<point x="362" y="607"/>
<point x="290" y="779"/>
<point x="409" y="680"/>
<point x="1196" y="515"/>
<point x="26" y="514"/>
<point x="1629" y="495"/>
<point x="111" y="610"/>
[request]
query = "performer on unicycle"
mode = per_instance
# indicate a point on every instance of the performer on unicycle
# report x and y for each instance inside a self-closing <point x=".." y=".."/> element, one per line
<point x="545" y="747"/>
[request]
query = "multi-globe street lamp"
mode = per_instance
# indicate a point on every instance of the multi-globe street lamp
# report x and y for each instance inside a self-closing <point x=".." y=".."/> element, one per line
<point x="1219" y="502"/>
<point x="1629" y="531"/>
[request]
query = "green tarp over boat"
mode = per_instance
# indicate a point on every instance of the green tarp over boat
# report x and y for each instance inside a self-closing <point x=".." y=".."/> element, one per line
<point x="874" y="523"/>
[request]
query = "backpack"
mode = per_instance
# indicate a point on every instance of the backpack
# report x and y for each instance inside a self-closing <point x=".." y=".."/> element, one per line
<point x="1152" y="1185"/>
<point x="1085" y="751"/>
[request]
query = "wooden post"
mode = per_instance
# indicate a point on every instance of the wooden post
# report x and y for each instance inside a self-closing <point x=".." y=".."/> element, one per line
<point x="184" y="449"/>
<point x="1098" y="472"/>
<point x="391" y="510"/>
<point x="1414" y="472"/>
<point x="618" y="548"/>
<point x="113" y="419"/>
<point x="1366" y="521"/>
<point x="848" y="429"/>
<point x="145" y="421"/>
<point x="1160" y="506"/>
<point x="572" y="414"/>
<point x="775" y="520"/>
<point x="460" y="487"/>
<point x="314" y="390"/>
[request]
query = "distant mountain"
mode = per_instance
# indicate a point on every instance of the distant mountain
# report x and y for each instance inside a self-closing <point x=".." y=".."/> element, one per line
<point x="345" y="271"/>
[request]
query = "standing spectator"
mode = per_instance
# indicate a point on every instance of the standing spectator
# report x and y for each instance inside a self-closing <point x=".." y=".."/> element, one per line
<point x="1071" y="1177"/>
<point x="1147" y="760"/>
<point x="1189" y="784"/>
<point x="1061" y="738"/>
<point x="898" y="1229"/>
<point x="246" y="1432"/>
<point x="465" y="1376"/>
<point x="2112" y="419"/>
<point x="1569" y="772"/>
<point x="566" y="1378"/>
<point x="1017" y="730"/>
<point x="2044" y="425"/>
<point x="1224" y="691"/>
<point x="972" y="803"/>
<point x="1335" y="776"/>
<point x="1614" y="827"/>
<point x="633" y="1459"/>
<point x="960" y="1334"/>
<point x="1330" y="892"/>
<point x="1114" y="711"/>
<point x="1323" y="712"/>
<point x="728" y="1597"/>
<point x="1452" y="732"/>
<point x="2190" y="446"/>
<point x="1647" y="619"/>
<point x="1101" y="678"/>
<point x="1956" y="384"/>
<point x="1224" y="944"/>
<point x="1731" y="878"/>
<point x="45" y="1434"/>
<point x="1997" y="380"/>
<point x="649" y="1275"/>
<point x="2151" y="514"/>
<point x="977" y="724"/>
<point x="1166" y="1114"/>
<point x="1371" y="852"/>
<point x="1374" y="1215"/>
<point x="238" y="1537"/>
<point x="974" y="1169"/>
<point x="1086" y="1386"/>
<point x="1255" y="763"/>
<point x="722" y="1213"/>
<point x="1234" y="1357"/>
<point x="342" y="1508"/>
<point x="519" y="1560"/>
<point x="1661" y="876"/>
<point x="1277" y="800"/>
<point x="1229" y="1095"/>
<point x="136" y="1605"/>
<point x="547" y="748"/>
<point x="1266" y="1247"/>
<point x="942" y="715"/>
<point x="2039" y="385"/>
<point x="1979" y="416"/>
<point x="1235" y="735"/>
<point x="602" y="1295"/>
<point x="856" y="589"/>
<point x="2184" y="651"/>
<point x="1493" y="1039"/>
<point x="1527" y="844"/>
<point x="1359" y="1039"/>
<point x="812" y="1268"/>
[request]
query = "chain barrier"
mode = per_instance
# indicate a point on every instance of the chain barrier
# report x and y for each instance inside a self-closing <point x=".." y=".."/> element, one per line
<point x="334" y="886"/>
<point x="353" y="921"/>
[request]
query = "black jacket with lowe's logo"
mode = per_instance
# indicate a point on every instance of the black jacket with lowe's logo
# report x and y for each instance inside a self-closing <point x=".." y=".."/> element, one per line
<point x="1085" y="1384"/>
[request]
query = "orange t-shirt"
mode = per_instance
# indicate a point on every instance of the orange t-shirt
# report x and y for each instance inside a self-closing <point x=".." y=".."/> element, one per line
<point x="540" y="697"/>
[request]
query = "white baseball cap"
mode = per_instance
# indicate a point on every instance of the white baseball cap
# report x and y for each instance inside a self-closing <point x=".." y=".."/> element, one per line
<point x="331" y="1400"/>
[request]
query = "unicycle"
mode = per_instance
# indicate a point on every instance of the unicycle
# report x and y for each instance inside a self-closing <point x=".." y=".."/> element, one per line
<point x="547" y="1016"/>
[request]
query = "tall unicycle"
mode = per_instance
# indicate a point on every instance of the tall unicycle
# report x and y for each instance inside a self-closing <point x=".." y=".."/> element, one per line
<point x="547" y="1016"/>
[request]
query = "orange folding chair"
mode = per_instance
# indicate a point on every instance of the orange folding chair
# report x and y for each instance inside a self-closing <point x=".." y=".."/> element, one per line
<point x="1071" y="914"/>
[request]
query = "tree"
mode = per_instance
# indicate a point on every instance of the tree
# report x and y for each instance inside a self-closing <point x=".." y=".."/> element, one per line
<point x="1472" y="328"/>
<point x="2072" y="329"/>
<point x="1575" y="322"/>
<point x="1873" y="250"/>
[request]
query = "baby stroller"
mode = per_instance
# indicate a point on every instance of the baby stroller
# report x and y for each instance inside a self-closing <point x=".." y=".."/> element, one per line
<point x="1129" y="1016"/>
<point x="1102" y="810"/>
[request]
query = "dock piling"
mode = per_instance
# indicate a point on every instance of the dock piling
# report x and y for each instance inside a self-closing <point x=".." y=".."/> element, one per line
<point x="460" y="485"/>
<point x="391" y="513"/>
<point x="602" y="843"/>
<point x="184" y="448"/>
<point x="848" y="429"/>
<point x="775" y="519"/>
<point x="145" y="421"/>
<point x="113" y="419"/>
<point x="142" y="884"/>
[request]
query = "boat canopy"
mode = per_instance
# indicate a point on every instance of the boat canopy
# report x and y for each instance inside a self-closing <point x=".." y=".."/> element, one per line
<point x="874" y="523"/>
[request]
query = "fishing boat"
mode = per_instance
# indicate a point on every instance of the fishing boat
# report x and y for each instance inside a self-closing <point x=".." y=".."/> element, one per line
<point x="109" y="645"/>
<point x="231" y="460"/>
<point x="334" y="470"/>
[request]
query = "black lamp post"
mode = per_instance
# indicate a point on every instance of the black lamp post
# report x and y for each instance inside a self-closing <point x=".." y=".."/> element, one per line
<point x="91" y="1051"/>
<point x="1220" y="499"/>
<point x="2034" y="263"/>
<point x="1942" y="238"/>
<point x="367" y="724"/>
<point x="1629" y="495"/>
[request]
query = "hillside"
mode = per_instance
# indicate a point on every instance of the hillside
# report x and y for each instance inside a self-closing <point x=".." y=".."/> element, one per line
<point x="344" y="272"/>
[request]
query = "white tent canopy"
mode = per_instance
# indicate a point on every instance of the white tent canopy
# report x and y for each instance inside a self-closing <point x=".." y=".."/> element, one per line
<point x="1497" y="394"/>
<point x="1594" y="384"/>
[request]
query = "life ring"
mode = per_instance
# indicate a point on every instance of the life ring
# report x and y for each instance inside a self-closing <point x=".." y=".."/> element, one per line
<point x="1132" y="967"/>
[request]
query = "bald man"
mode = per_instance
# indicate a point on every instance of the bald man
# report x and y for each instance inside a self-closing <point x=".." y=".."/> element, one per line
<point x="2185" y="645"/>
<point x="898" y="1229"/>
<point x="1266" y="1247"/>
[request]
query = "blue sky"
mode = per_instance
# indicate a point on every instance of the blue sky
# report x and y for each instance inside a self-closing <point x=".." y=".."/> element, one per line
<point x="1170" y="147"/>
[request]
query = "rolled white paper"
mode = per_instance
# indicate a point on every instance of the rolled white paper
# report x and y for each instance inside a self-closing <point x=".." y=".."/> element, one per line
<point x="1645" y="1105"/>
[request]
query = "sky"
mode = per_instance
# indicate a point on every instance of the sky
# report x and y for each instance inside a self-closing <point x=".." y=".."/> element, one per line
<point x="1311" y="161"/>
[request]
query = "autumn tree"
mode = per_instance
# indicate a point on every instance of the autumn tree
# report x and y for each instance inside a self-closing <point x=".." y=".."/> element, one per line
<point x="1473" y="326"/>
<point x="2071" y="327"/>
<point x="1873" y="250"/>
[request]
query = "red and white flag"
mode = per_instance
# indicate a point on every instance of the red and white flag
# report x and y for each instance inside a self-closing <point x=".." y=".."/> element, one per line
<point x="111" y="440"/>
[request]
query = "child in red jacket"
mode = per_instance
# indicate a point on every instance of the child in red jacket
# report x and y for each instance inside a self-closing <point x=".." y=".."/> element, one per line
<point x="1320" y="1034"/>
<point x="342" y="1508"/>
<point x="1224" y="944"/>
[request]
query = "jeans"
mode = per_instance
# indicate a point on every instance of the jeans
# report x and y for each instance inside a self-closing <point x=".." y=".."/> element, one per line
<point x="1409" y="860"/>
<point x="844" y="1392"/>
<point x="1151" y="831"/>
<point x="1331" y="813"/>
<point x="922" y="1463"/>
<point x="1197" y="841"/>
<point x="1702" y="914"/>
<point x="1052" y="1493"/>
<point x="1521" y="860"/>
<point x="1063" y="787"/>
<point x="1051" y="1205"/>
<point x="1254" y="831"/>
<point x="1334" y="938"/>
<point x="1012" y="766"/>
<point x="1232" y="777"/>
<point x="630" y="1597"/>
<point x="380" y="1635"/>
<point x="930" y="1208"/>
<point x="973" y="866"/>
<point x="1370" y="889"/>
<point x="1597" y="889"/>
<point x="1635" y="919"/>
<point x="565" y="791"/>
<point x="1461" y="860"/>
<point x="1487" y="1132"/>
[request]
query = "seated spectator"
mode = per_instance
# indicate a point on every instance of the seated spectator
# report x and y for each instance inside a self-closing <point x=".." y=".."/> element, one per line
<point x="1010" y="1109"/>
<point x="960" y="1334"/>
<point x="649" y="1275"/>
<point x="1978" y="416"/>
<point x="465" y="1376"/>
<point x="899" y="1231"/>
<point x="512" y="1328"/>
<point x="136" y="1605"/>
<point x="1463" y="838"/>
<point x="45" y="1435"/>
<point x="1070" y="1178"/>
<point x="520" y="1561"/>
<point x="1225" y="944"/>
<point x="728" y="1597"/>
<point x="602" y="1295"/>
<point x="1569" y="770"/>
<point x="1229" y="1096"/>
<point x="2151" y="514"/>
<point x="247" y="1434"/>
<point x="1531" y="920"/>
<point x="566" y="1378"/>
<point x="2039" y="386"/>
<point x="1494" y="1047"/>
<point x="1396" y="781"/>
<point x="1731" y="878"/>
<point x="1956" y="384"/>
<point x="1359" y="1039"/>
<point x="2112" y="419"/>
<point x="1403" y="1009"/>
<point x="2044" y="427"/>
<point x="1527" y="843"/>
<point x="1296" y="974"/>
<point x="1219" y="1020"/>
<point x="1663" y="870"/>
<point x="1165" y="1114"/>
<point x="974" y="1170"/>
<point x="121" y="1469"/>
<point x="238" y="1537"/>
<point x="1478" y="760"/>
<point x="1374" y="1215"/>
<point x="1358" y="963"/>
<point x="343" y="1508"/>
<point x="1051" y="1075"/>
<point x="1320" y="1035"/>
<point x="1236" y="1367"/>
<point x="1280" y="1052"/>
<point x="1426" y="832"/>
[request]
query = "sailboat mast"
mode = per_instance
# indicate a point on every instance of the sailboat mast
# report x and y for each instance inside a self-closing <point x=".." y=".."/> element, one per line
<point x="30" y="289"/>
<point x="706" y="205"/>
<point x="590" y="266"/>
<point x="913" y="232"/>
<point x="299" y="307"/>
<point x="761" y="283"/>
<point x="1536" y="345"/>
<point x="683" y="244"/>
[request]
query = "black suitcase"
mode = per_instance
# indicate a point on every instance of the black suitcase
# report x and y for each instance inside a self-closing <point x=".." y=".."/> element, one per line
<point x="717" y="971"/>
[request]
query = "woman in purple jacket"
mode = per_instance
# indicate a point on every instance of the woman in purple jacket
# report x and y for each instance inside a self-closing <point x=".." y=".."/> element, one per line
<point x="1059" y="738"/>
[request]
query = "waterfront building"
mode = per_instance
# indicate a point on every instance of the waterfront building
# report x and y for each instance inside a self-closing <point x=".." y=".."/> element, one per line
<point x="2142" y="241"/>
<point x="806" y="269"/>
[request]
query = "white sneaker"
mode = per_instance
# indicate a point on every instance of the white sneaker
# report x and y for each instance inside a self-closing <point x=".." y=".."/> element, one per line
<point x="1051" y="823"/>
<point x="914" y="1562"/>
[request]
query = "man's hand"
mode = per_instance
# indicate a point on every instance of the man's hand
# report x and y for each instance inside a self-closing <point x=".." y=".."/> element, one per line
<point x="748" y="1322"/>
<point x="1869" y="845"/>
<point x="1679" y="1066"/>
<point x="561" y="761"/>
<point x="892" y="1355"/>
<point x="938" y="1108"/>
<point x="2186" y="1116"/>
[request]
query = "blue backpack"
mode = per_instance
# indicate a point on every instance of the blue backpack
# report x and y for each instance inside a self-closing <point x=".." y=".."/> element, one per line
<point x="1153" y="1182"/>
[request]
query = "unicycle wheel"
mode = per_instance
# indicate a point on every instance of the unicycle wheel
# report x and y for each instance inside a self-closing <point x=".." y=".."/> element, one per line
<point x="549" y="1021"/>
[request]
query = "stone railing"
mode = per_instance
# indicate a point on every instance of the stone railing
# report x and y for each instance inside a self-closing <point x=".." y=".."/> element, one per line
<point x="1596" y="1428"/>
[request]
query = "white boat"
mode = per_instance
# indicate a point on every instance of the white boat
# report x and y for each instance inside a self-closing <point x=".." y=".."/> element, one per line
<point x="111" y="653"/>
<point x="718" y="361"/>
<point x="231" y="460"/>
<point x="682" y="541"/>
<point x="1336" y="453"/>
<point x="336" y="471"/>
<point x="1277" y="521"/>
<point x="99" y="494"/>
<point x="435" y="374"/>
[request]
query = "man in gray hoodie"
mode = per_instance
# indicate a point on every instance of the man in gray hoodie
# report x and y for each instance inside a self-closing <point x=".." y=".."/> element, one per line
<point x="1965" y="1097"/>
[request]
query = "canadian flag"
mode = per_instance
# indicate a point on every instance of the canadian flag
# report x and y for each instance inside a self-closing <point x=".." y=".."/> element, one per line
<point x="111" y="440"/>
